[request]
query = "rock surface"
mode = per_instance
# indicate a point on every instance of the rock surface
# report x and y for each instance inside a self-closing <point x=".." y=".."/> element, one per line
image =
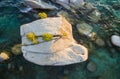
<point x="100" y="42"/>
<point x="115" y="39"/>
<point x="95" y="16"/>
<point x="84" y="28"/>
<point x="65" y="14"/>
<point x="16" y="49"/>
<point x="60" y="51"/>
<point x="70" y="3"/>
<point x="39" y="4"/>
<point x="91" y="67"/>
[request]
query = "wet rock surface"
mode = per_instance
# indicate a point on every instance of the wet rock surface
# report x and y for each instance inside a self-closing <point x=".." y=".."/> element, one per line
<point x="91" y="66"/>
<point x="84" y="28"/>
<point x="16" y="49"/>
<point x="68" y="4"/>
<point x="39" y="4"/>
<point x="115" y="39"/>
<point x="99" y="42"/>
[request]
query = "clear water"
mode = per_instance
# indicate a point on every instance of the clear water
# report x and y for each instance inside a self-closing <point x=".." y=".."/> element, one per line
<point x="108" y="64"/>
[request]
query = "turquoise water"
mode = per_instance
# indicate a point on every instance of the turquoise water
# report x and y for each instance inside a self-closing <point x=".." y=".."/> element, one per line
<point x="107" y="62"/>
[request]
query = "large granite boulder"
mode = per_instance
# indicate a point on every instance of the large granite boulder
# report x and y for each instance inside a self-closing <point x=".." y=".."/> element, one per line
<point x="60" y="51"/>
<point x="39" y="4"/>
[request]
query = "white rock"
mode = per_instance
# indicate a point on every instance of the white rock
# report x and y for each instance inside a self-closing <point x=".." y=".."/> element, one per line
<point x="115" y="39"/>
<point x="62" y="51"/>
<point x="70" y="3"/>
<point x="39" y="4"/>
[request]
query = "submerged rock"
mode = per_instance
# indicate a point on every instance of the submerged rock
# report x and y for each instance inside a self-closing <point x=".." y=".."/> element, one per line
<point x="91" y="66"/>
<point x="84" y="28"/>
<point x="4" y="56"/>
<point x="99" y="42"/>
<point x="24" y="8"/>
<point x="89" y="6"/>
<point x="39" y="4"/>
<point x="68" y="4"/>
<point x="16" y="49"/>
<point x="21" y="68"/>
<point x="57" y="51"/>
<point x="67" y="16"/>
<point x="95" y="16"/>
<point x="115" y="39"/>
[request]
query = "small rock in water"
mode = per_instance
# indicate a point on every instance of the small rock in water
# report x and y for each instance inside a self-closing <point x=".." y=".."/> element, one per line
<point x="84" y="28"/>
<point x="39" y="4"/>
<point x="100" y="42"/>
<point x="67" y="16"/>
<point x="91" y="66"/>
<point x="95" y="16"/>
<point x="115" y="39"/>
<point x="70" y="3"/>
<point x="4" y="55"/>
<point x="20" y="68"/>
<point x="24" y="8"/>
<point x="16" y="49"/>
<point x="89" y="6"/>
<point x="9" y="65"/>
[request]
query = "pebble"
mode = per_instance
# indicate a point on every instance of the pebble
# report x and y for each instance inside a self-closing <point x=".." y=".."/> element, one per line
<point x="20" y="68"/>
<point x="84" y="28"/>
<point x="16" y="49"/>
<point x="95" y="16"/>
<point x="115" y="39"/>
<point x="100" y="42"/>
<point x="91" y="66"/>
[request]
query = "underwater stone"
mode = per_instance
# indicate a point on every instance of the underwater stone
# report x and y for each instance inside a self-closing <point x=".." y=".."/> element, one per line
<point x="99" y="42"/>
<point x="39" y="4"/>
<point x="70" y="3"/>
<point x="20" y="68"/>
<point x="91" y="66"/>
<point x="115" y="39"/>
<point x="60" y="51"/>
<point x="16" y="49"/>
<point x="67" y="16"/>
<point x="84" y="28"/>
<point x="95" y="16"/>
<point x="89" y="6"/>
